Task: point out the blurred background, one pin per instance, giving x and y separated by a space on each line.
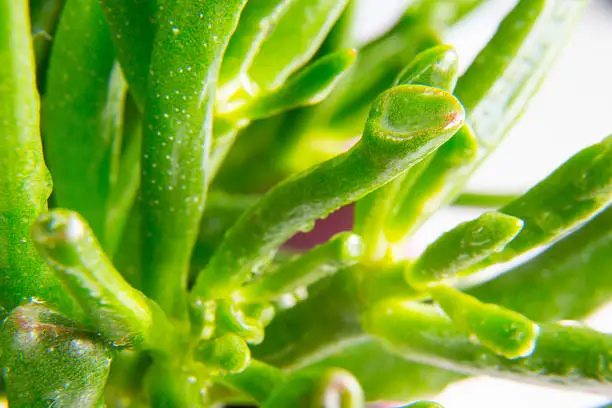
572 110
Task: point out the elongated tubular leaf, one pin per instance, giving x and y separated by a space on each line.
484 200
342 251
572 194
123 192
119 312
564 355
44 15
326 388
567 281
177 135
442 13
437 67
430 186
506 73
341 35
308 87
132 25
257 380
505 332
257 22
462 247
50 360
406 124
494 90
78 126
290 45
25 184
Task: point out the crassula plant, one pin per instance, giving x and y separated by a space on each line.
157 155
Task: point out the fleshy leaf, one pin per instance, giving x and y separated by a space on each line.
462 247
505 332
406 124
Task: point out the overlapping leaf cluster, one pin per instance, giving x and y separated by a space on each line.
188 140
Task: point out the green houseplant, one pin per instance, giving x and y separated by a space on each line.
146 267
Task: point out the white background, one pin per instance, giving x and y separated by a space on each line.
573 109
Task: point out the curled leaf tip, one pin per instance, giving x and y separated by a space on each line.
406 112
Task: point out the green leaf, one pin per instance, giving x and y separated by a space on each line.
463 246
375 71
484 200
177 139
429 187
327 388
442 13
503 331
494 90
568 281
508 71
571 195
341 35
81 130
406 124
436 67
50 360
119 312
341 251
257 22
133 25
564 355
44 15
25 184
125 187
307 87
291 45
257 380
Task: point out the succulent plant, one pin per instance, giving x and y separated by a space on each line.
157 156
